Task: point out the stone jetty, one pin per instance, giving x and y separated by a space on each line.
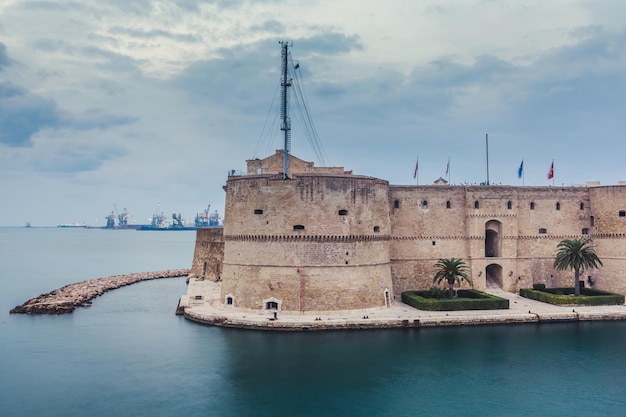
67 298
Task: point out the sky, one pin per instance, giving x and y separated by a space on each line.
147 105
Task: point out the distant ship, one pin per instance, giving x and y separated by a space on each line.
76 225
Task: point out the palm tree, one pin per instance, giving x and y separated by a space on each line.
576 254
453 271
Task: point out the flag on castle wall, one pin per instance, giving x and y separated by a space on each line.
416 166
448 166
551 172
520 170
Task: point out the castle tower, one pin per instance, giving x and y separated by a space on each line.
315 242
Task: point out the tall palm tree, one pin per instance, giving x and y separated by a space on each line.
453 271
576 254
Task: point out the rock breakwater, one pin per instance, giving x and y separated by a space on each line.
67 298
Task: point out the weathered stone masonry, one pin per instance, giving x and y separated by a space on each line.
330 241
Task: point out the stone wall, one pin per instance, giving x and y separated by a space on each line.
512 231
321 242
314 243
208 256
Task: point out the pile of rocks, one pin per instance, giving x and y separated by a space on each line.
67 298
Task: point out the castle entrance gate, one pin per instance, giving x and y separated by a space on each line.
493 247
493 275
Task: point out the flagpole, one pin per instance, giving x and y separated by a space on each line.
449 170
487 151
523 175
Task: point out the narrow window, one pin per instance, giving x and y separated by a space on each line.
396 204
592 221
543 231
229 301
376 229
434 243
582 205
558 206
448 205
585 231
271 305
509 205
476 204
298 227
258 211
622 213
424 204
532 205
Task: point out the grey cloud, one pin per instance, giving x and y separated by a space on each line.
4 57
97 56
23 114
157 33
330 43
237 74
240 73
76 156
269 26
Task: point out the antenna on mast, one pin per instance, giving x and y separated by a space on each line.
285 126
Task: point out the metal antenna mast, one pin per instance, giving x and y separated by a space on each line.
487 149
286 123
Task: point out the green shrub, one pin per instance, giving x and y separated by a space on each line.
465 300
565 296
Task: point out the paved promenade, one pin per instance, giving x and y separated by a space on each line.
201 304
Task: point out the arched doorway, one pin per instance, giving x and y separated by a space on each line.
493 276
493 247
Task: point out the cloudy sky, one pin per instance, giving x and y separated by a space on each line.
146 105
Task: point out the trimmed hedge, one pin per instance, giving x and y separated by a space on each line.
465 300
565 296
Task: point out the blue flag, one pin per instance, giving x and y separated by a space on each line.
520 170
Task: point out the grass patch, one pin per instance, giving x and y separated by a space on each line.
465 300
566 297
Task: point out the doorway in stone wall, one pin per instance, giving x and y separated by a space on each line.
493 276
493 229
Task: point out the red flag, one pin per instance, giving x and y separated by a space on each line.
415 172
551 172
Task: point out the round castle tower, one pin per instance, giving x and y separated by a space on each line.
316 242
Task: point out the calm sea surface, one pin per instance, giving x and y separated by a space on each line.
129 355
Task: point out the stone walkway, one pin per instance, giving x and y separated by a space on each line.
201 304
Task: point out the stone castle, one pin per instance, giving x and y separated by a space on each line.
326 239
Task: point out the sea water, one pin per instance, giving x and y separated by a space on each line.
130 355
